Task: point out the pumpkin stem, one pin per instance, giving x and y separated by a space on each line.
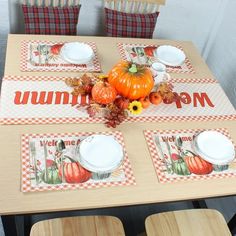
72 160
191 152
133 68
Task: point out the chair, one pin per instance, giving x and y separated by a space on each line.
81 225
58 17
187 222
131 18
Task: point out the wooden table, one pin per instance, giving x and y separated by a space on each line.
147 190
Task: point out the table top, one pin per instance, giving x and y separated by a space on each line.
147 188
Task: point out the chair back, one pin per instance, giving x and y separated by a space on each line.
51 3
79 225
134 6
192 222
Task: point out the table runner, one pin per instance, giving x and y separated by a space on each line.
123 176
174 168
43 100
39 55
129 52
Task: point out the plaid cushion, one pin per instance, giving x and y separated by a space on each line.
133 25
51 20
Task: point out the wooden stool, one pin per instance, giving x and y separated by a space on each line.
81 225
187 223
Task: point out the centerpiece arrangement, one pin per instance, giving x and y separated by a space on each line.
127 89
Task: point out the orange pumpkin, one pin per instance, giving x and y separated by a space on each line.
198 166
130 80
103 93
74 172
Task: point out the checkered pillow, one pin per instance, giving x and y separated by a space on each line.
133 25
51 20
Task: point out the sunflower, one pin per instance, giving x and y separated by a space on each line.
102 76
135 107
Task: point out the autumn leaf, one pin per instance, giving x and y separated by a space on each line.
72 82
93 109
85 79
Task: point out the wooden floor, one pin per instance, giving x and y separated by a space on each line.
133 217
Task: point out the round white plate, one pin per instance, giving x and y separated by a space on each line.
100 153
214 147
77 53
169 55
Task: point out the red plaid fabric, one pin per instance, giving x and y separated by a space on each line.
133 25
51 20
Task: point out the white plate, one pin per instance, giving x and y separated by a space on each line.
77 53
214 147
100 153
170 55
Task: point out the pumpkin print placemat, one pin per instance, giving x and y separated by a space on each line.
40 158
173 164
43 100
45 56
145 54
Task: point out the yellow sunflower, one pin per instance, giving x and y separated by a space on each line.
135 107
102 76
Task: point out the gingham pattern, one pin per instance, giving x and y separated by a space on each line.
27 186
132 25
162 113
124 49
159 165
34 78
29 61
59 78
194 80
51 20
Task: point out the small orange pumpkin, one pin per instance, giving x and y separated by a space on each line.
74 172
197 165
103 93
131 80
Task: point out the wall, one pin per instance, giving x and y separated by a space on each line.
222 55
4 29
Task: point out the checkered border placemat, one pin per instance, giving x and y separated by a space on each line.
178 69
158 164
25 177
24 59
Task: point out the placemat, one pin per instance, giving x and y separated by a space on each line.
144 54
171 166
35 181
45 56
43 100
